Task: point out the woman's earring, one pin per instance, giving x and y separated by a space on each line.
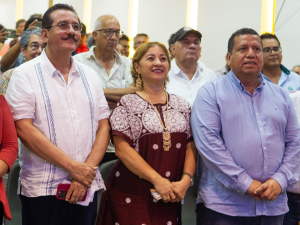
165 83
139 82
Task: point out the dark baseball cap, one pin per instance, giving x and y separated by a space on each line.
183 31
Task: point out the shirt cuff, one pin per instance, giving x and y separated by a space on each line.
281 179
243 184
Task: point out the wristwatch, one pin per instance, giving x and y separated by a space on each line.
192 179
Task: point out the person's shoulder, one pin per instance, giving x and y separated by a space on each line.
181 102
294 76
81 56
84 67
125 60
25 67
295 96
209 72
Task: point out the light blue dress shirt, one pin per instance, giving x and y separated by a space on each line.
288 80
241 137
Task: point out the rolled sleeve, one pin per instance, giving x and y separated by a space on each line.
206 128
20 96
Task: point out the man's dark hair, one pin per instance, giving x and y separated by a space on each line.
124 37
30 21
36 15
269 36
1 26
20 21
171 40
47 20
141 35
243 31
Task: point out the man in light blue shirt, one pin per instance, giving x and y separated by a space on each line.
273 70
246 131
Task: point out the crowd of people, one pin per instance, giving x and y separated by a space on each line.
77 101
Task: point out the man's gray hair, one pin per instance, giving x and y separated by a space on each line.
98 22
24 41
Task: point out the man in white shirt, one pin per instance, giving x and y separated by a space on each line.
61 115
112 68
186 74
293 192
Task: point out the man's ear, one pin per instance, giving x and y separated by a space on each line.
228 57
23 51
95 34
172 49
44 35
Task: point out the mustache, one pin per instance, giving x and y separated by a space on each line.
71 37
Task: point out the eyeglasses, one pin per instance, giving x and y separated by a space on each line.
65 26
110 32
35 46
268 50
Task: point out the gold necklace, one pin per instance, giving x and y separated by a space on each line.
166 134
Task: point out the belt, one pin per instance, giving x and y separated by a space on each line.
293 195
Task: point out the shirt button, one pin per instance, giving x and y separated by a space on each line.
261 129
238 191
265 167
265 148
256 113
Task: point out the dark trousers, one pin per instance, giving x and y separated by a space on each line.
292 217
206 216
47 210
1 213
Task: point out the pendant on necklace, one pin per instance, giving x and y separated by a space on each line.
166 140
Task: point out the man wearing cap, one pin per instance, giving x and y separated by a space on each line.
82 45
273 70
112 68
186 74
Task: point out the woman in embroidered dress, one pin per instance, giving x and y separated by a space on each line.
152 136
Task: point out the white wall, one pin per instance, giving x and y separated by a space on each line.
159 19
217 20
118 8
8 14
287 31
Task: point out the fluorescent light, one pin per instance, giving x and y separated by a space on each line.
87 14
192 14
268 16
132 23
19 10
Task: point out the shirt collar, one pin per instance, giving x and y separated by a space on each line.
285 70
240 85
52 70
177 70
91 54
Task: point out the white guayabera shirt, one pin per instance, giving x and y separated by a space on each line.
66 113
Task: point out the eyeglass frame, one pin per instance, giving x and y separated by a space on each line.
40 46
272 50
120 32
57 25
